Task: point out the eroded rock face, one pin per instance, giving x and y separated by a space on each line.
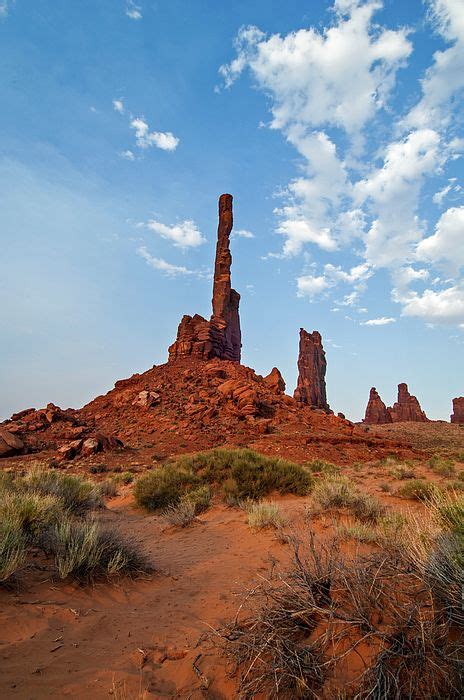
10 444
458 410
275 381
311 389
376 411
221 335
406 408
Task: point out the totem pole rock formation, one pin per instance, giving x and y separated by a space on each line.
376 411
220 336
407 407
458 410
311 389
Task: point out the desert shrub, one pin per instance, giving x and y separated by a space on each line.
164 486
107 488
339 492
181 514
248 474
418 490
86 551
386 530
29 512
320 466
403 473
77 495
126 478
441 466
6 481
200 498
98 468
12 549
359 531
265 514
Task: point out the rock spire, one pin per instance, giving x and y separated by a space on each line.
220 336
458 410
406 409
376 411
311 389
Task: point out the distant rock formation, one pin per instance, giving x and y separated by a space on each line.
311 389
458 410
376 411
220 336
407 408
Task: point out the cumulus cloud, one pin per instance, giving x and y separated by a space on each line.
243 233
311 285
445 306
185 234
383 321
162 265
145 138
447 243
127 155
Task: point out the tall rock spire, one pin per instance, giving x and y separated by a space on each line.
376 411
220 336
311 389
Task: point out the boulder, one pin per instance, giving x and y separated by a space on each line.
147 399
275 381
10 444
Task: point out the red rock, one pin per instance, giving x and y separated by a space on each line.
407 408
376 411
458 410
221 335
90 447
147 399
275 381
311 389
9 444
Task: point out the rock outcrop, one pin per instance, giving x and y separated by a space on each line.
275 381
406 408
458 410
376 411
311 389
220 336
10 444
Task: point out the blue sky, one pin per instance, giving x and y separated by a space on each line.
338 128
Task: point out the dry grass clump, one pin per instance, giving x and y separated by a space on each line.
403 473
418 490
241 474
265 514
386 532
441 465
320 466
180 514
339 492
303 627
45 510
86 551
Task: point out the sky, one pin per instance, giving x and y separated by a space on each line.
338 128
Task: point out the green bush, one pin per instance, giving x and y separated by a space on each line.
77 495
320 466
418 490
442 466
248 474
86 551
164 486
200 498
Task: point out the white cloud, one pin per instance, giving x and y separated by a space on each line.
383 321
133 11
310 285
118 106
127 155
185 234
444 79
447 243
163 265
445 306
4 7
340 76
439 196
145 138
243 233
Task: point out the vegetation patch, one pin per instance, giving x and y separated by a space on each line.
162 487
418 490
265 514
339 492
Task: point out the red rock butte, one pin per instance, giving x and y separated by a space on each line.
406 409
458 410
312 365
220 336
